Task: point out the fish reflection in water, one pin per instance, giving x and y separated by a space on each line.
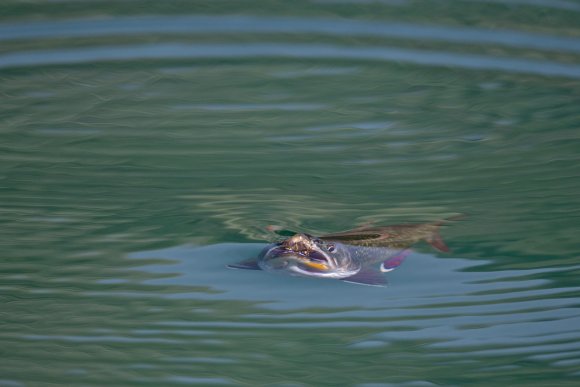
351 256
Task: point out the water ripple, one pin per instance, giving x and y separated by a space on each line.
556 4
249 24
121 181
296 51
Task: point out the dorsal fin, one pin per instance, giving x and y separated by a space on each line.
347 237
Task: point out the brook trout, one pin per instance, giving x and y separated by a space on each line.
349 256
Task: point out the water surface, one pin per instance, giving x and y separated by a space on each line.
146 147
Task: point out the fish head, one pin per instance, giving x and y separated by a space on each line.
306 255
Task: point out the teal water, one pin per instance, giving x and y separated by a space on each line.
145 145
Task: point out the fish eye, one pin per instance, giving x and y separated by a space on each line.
331 248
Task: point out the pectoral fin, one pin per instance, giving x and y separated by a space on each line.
249 264
367 276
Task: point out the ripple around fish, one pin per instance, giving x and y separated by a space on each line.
468 294
523 316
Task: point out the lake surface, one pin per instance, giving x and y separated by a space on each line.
146 145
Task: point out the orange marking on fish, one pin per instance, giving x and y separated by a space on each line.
316 265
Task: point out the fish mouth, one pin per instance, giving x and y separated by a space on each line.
309 258
316 265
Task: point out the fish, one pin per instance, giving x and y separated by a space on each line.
350 256
308 256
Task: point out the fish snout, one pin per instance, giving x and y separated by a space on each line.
298 243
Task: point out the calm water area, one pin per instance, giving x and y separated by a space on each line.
146 145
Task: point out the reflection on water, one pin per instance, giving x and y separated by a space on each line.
144 148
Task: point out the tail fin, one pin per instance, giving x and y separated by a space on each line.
435 239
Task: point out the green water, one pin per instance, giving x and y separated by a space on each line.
145 145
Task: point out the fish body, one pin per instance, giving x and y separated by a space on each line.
350 256
308 256
399 236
